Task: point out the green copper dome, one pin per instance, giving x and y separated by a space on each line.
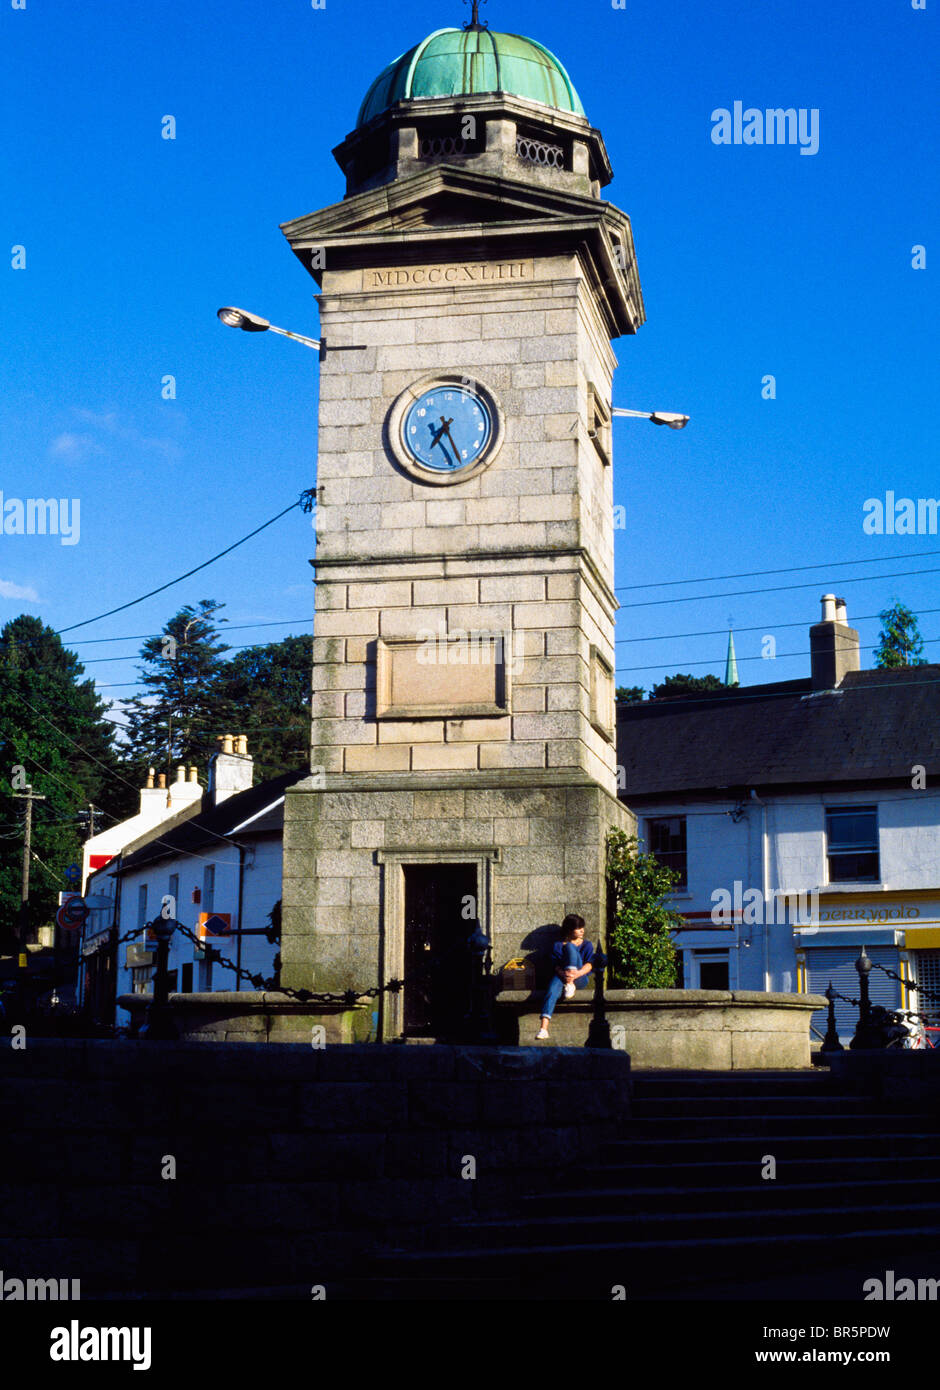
468 62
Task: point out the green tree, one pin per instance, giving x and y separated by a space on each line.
900 641
55 738
630 694
642 954
264 692
686 685
170 724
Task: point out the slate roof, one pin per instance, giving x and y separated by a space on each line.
875 727
202 829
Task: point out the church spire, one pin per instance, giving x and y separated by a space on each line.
731 662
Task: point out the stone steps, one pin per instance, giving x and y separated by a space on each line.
758 1197
669 1107
644 1269
741 1172
791 1146
744 1124
678 1200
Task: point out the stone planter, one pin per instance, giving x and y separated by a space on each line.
694 1029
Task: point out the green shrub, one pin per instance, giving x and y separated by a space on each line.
642 954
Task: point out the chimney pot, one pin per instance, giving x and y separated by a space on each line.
226 741
149 776
834 646
161 780
241 745
192 774
181 772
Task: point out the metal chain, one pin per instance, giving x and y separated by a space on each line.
303 996
909 984
129 936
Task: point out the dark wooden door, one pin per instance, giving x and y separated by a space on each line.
440 904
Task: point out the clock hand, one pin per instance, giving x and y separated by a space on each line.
437 437
445 429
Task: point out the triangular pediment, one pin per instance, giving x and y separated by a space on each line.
438 212
443 196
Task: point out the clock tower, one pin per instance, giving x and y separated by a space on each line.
463 758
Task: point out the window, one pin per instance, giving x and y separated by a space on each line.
665 838
852 844
174 891
927 974
141 906
599 422
186 982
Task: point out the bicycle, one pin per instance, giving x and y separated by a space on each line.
917 1029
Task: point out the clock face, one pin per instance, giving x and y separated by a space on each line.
448 428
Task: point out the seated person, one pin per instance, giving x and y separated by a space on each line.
571 961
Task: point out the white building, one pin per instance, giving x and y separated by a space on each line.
159 805
804 818
218 873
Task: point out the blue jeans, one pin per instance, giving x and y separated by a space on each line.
570 956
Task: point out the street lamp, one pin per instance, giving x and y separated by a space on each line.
254 323
658 417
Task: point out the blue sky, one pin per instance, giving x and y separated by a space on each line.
754 260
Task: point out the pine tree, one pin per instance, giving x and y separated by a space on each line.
54 737
171 724
264 692
900 641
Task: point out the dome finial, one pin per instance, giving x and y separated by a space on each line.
475 15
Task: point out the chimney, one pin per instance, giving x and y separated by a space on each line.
185 790
833 645
231 770
153 798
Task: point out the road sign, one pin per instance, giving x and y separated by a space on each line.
73 913
214 924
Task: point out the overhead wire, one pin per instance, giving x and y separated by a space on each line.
179 579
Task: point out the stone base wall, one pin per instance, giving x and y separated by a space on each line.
890 1074
538 841
694 1029
148 1169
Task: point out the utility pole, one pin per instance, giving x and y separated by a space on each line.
29 796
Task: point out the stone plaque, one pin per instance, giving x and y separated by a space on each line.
442 677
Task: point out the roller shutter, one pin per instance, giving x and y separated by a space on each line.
837 963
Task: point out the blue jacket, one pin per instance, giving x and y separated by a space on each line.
585 951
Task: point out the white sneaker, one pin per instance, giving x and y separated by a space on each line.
542 1033
570 989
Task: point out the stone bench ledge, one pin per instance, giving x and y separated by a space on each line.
616 1000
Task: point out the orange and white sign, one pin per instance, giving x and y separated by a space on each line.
214 924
